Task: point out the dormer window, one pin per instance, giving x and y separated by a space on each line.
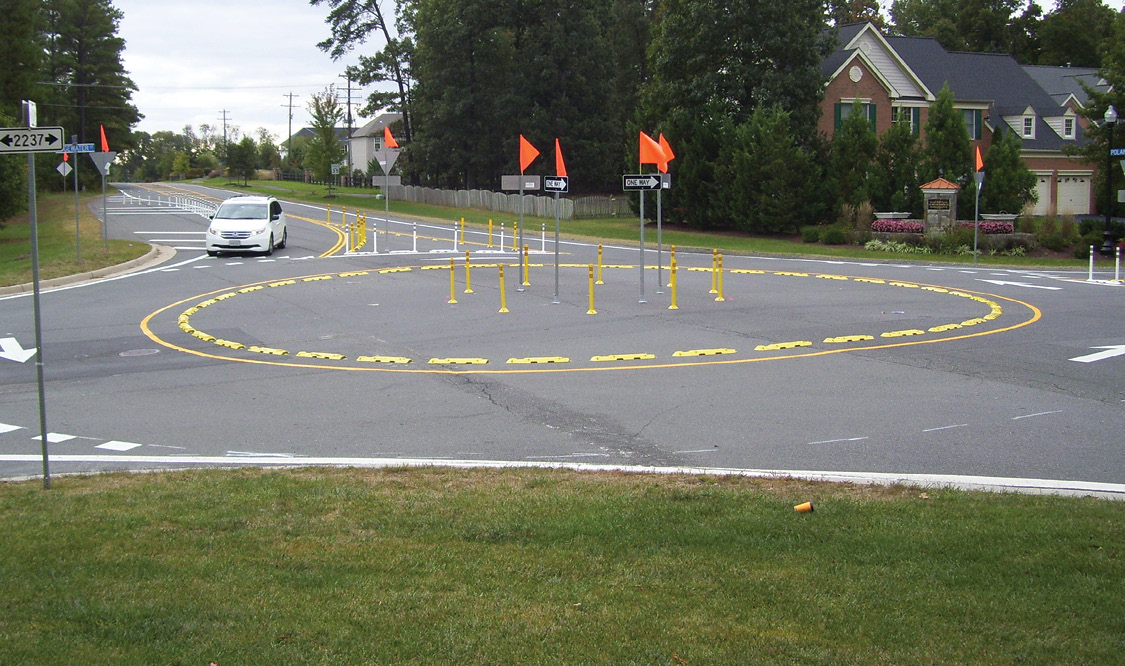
1028 127
1068 128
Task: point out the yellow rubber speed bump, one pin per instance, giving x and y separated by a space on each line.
944 327
206 337
973 322
316 278
849 338
229 344
400 269
283 283
268 350
247 290
902 334
622 357
908 285
806 507
353 274
870 280
791 274
384 359
325 356
784 345
705 352
831 277
746 271
540 359
458 361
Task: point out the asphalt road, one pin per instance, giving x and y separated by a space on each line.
311 355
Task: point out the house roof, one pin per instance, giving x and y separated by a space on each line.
1063 83
940 184
994 80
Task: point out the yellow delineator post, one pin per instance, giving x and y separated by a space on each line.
719 267
468 278
673 263
599 265
462 231
490 232
515 236
452 282
503 296
591 311
714 270
526 268
329 219
672 284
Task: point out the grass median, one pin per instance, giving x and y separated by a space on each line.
440 566
65 247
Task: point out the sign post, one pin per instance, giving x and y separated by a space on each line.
641 182
102 161
386 158
559 184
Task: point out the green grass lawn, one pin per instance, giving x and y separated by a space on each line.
438 566
59 241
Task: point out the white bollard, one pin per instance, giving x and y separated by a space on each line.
415 234
1091 276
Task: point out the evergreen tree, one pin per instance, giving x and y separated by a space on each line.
21 53
853 158
1008 185
896 177
241 159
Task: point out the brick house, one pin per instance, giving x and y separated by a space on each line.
896 79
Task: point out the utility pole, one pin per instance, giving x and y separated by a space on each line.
348 138
289 141
225 151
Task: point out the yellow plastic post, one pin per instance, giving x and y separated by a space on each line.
599 264
714 271
490 232
526 268
329 220
452 282
673 263
720 279
515 236
462 231
591 310
673 306
503 296
468 279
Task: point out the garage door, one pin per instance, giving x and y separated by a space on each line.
1074 195
1043 189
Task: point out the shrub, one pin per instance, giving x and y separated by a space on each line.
1047 228
898 226
991 227
810 234
1054 242
833 236
1067 229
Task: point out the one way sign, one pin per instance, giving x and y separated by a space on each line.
556 183
640 182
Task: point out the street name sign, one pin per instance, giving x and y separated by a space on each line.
30 139
640 182
78 148
1117 152
559 184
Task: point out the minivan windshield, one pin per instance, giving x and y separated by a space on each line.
243 211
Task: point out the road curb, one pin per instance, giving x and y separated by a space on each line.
156 255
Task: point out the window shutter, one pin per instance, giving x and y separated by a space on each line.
839 116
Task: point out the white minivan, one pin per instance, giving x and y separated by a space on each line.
247 224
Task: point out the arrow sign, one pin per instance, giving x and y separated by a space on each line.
31 139
556 183
639 182
1110 352
1020 284
11 349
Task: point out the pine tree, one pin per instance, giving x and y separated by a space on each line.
324 148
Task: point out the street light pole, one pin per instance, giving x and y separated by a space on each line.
1107 241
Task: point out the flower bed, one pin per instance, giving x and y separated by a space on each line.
992 227
897 226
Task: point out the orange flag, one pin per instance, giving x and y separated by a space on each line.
66 157
105 144
560 166
668 154
980 162
650 151
528 153
389 139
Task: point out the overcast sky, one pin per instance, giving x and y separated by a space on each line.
191 60
194 59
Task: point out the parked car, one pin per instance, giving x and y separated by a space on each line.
247 224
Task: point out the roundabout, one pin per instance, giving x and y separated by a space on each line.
398 319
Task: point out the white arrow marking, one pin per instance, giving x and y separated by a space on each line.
1021 284
1110 352
11 349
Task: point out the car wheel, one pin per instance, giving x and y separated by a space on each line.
212 253
284 238
269 248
